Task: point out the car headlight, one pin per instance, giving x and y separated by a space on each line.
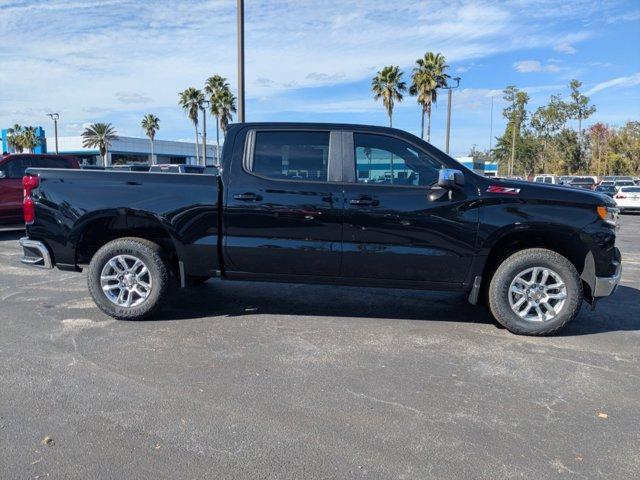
609 214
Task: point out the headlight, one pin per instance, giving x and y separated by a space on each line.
609 214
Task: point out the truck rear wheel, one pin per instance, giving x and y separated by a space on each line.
535 292
128 278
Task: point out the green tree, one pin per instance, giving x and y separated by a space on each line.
14 137
568 150
29 139
150 124
628 146
226 106
598 137
388 85
508 149
578 107
191 101
546 122
428 75
100 136
214 88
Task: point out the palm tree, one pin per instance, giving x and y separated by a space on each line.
388 85
29 139
213 86
14 137
226 107
99 135
191 102
151 124
428 75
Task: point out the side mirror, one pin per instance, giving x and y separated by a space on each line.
450 178
3 174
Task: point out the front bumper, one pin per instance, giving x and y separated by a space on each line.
605 286
35 254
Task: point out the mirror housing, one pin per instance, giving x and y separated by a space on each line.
3 174
450 178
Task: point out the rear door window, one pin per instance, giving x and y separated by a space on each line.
297 155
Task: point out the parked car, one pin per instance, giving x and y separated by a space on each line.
549 179
565 179
607 183
291 205
624 183
588 183
616 178
609 190
12 168
628 199
170 168
132 167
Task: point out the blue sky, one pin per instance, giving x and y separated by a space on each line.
115 60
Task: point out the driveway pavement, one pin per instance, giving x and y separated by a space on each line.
240 380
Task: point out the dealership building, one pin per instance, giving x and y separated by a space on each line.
123 150
488 169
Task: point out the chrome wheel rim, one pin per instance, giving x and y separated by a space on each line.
126 281
537 294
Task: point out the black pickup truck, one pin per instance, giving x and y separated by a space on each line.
332 204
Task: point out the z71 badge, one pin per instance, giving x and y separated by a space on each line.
505 190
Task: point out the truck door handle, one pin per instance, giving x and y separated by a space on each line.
247 197
364 201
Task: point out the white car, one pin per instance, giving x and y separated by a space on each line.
628 199
546 179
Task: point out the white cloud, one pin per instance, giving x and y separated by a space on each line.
628 81
565 47
114 59
530 66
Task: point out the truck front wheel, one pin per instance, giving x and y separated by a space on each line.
535 292
128 278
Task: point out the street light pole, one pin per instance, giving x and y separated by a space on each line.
450 88
55 117
241 113
205 105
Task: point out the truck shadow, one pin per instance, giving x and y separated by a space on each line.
9 235
621 312
237 299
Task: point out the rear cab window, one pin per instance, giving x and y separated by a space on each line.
14 168
291 155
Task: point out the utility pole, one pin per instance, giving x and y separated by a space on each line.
450 88
491 128
55 117
205 105
241 112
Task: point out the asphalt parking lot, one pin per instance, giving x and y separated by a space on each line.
240 380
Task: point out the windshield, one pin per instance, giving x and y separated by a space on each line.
630 189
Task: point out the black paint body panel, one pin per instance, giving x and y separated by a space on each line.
308 231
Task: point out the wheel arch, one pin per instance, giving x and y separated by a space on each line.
98 228
559 238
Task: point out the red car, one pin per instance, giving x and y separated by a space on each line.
12 169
